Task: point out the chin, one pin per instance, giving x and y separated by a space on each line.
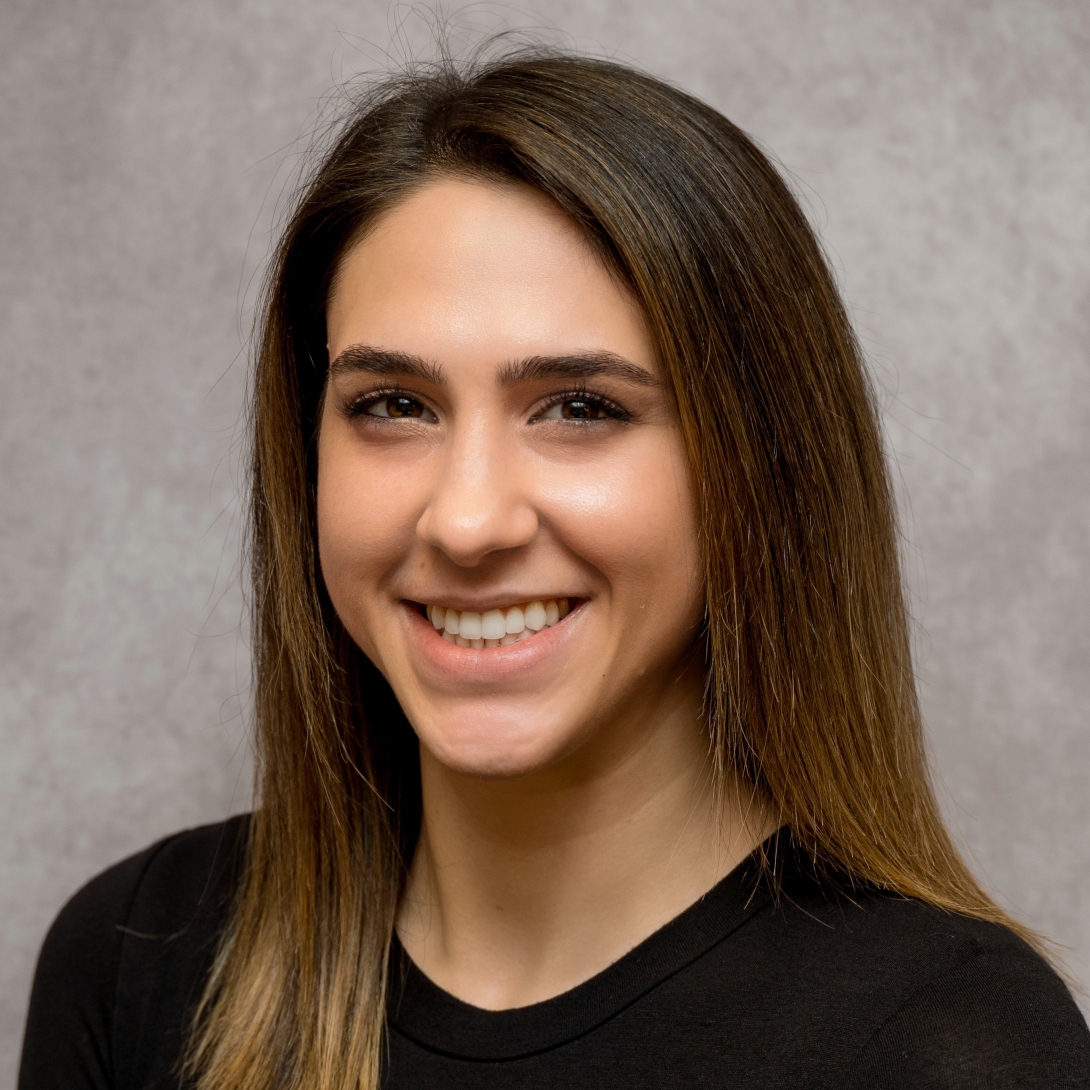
494 748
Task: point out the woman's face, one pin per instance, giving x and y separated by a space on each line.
497 456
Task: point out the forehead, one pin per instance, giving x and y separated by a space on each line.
482 270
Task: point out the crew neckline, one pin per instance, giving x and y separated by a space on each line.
440 1022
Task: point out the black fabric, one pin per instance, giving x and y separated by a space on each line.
805 985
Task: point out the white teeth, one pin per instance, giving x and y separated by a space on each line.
497 627
535 616
493 625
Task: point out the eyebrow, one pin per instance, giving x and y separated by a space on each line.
382 361
577 365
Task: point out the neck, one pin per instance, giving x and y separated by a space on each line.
522 888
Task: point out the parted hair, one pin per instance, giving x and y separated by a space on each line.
810 696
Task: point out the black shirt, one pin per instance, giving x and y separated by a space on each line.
801 985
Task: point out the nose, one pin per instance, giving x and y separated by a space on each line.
479 505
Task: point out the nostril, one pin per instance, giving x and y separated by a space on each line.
469 523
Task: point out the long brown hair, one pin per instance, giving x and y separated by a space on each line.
810 693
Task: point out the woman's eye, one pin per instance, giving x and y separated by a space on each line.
398 407
575 408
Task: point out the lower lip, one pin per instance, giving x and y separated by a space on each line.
489 663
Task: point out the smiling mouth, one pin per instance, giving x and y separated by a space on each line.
497 627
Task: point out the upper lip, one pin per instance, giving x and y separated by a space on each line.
493 601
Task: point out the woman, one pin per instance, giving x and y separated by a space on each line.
589 752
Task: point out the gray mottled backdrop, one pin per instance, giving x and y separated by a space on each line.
944 151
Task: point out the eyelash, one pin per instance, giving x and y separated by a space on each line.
610 408
358 407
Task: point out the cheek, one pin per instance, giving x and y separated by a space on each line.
365 521
635 521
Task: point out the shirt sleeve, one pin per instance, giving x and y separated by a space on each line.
68 1039
996 1021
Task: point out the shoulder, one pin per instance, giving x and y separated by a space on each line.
157 913
158 891
929 998
186 877
897 935
996 1016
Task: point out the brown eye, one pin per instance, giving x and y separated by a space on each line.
584 409
397 407
580 410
